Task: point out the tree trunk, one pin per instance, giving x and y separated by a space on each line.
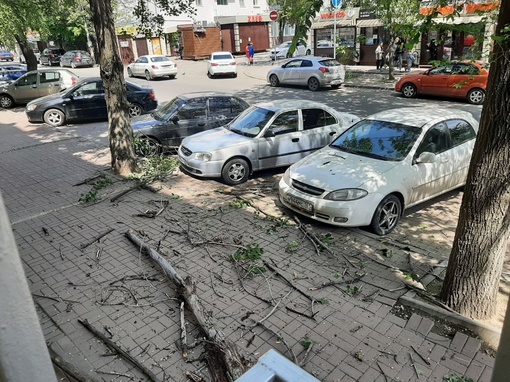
123 159
474 270
27 51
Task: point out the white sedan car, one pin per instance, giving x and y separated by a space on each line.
152 66
265 135
221 63
382 165
282 51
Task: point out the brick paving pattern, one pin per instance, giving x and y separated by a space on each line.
353 333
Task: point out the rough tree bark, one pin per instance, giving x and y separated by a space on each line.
123 160
475 265
27 51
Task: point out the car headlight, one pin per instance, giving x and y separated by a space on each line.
204 157
286 177
346 194
31 107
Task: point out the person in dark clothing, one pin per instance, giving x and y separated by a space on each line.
433 49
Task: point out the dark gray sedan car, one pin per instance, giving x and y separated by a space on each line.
183 116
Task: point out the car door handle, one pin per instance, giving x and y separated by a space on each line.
295 139
332 133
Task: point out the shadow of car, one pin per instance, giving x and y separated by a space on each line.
266 135
456 80
35 84
183 116
382 165
77 58
86 101
313 72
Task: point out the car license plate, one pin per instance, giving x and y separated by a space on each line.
302 205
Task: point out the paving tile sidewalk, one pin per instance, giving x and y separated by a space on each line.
354 332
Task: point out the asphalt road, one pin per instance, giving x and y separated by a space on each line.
252 86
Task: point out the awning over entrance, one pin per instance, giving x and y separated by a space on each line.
458 20
371 23
329 24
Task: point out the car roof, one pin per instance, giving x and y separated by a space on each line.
221 53
278 105
419 116
190 95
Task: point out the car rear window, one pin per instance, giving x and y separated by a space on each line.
222 57
329 62
159 59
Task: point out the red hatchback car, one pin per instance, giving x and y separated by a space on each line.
459 79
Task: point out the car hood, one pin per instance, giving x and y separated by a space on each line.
47 98
144 121
332 169
214 139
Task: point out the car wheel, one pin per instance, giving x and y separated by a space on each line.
235 172
73 65
308 52
209 75
172 76
135 110
386 215
6 101
147 146
313 84
335 86
409 90
130 73
234 75
148 75
476 96
273 80
54 117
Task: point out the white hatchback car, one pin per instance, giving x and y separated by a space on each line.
313 72
282 51
221 63
152 66
265 135
382 165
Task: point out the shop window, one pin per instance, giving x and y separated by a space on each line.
255 3
222 2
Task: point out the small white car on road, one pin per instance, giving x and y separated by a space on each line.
265 135
382 165
282 51
152 66
221 63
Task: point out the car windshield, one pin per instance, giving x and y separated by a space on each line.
329 63
378 139
222 57
251 121
159 59
285 44
167 110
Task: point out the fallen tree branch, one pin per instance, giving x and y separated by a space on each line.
225 359
331 283
96 238
124 354
279 273
69 368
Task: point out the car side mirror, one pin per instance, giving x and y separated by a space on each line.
269 134
426 157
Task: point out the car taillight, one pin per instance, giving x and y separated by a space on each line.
152 96
77 59
74 80
233 63
52 55
213 64
323 69
154 67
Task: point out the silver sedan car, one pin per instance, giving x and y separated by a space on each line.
152 66
265 135
314 72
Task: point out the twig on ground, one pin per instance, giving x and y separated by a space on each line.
279 273
128 357
69 368
421 357
212 285
414 366
330 283
382 371
289 349
308 350
60 252
97 238
114 373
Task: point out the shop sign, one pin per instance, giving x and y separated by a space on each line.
367 14
331 15
254 19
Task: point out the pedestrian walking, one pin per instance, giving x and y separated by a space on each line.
399 53
432 50
251 53
411 60
379 56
